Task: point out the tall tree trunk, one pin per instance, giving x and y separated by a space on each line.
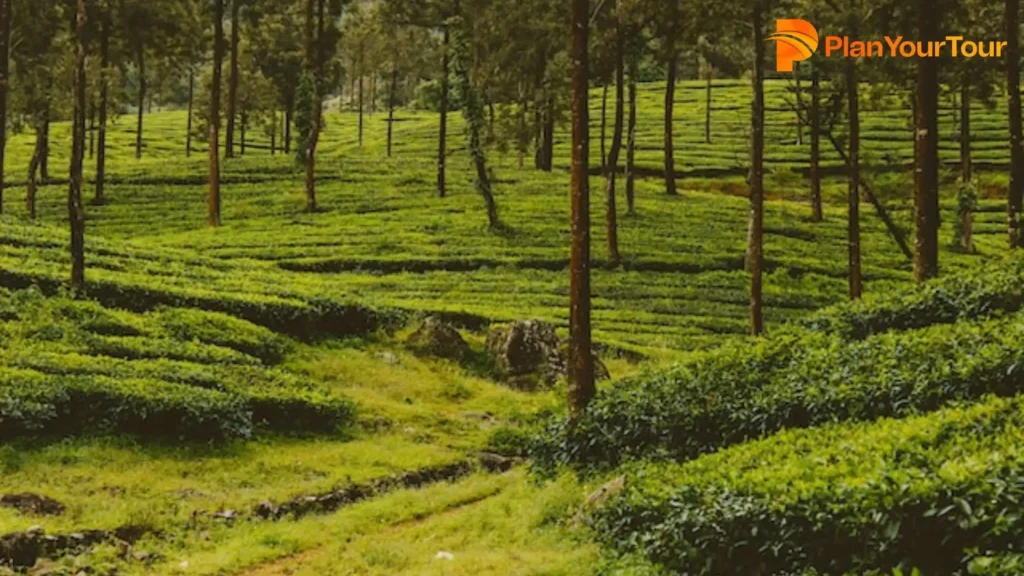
289 113
1016 193
442 137
612 166
815 118
92 128
581 359
926 192
391 103
140 59
604 126
549 135
44 160
101 138
213 200
273 132
755 251
360 111
229 136
244 125
631 137
191 102
5 42
853 228
76 211
33 168
672 57
707 104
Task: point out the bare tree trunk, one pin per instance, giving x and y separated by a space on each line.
442 138
191 101
213 201
76 211
549 136
707 105
360 111
926 192
229 136
273 133
756 236
5 42
140 57
391 103
244 125
631 138
44 160
288 114
853 229
581 359
612 166
815 114
101 139
33 168
92 128
604 126
1016 192
670 103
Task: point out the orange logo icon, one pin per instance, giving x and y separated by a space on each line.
795 40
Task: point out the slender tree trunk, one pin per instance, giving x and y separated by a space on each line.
244 121
360 111
44 160
33 168
288 114
581 359
670 104
815 117
707 104
213 201
140 59
926 193
101 138
612 166
853 228
229 136
549 135
631 138
76 211
5 42
756 235
191 102
442 138
391 103
273 133
92 128
373 94
604 126
1016 192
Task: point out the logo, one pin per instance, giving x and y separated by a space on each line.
795 41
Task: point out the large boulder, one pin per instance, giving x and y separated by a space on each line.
530 354
437 338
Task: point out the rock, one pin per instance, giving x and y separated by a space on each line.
266 510
226 515
34 504
528 353
389 358
496 462
437 338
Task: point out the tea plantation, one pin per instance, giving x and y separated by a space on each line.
244 400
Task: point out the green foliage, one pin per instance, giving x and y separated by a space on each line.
73 367
842 499
792 380
305 116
